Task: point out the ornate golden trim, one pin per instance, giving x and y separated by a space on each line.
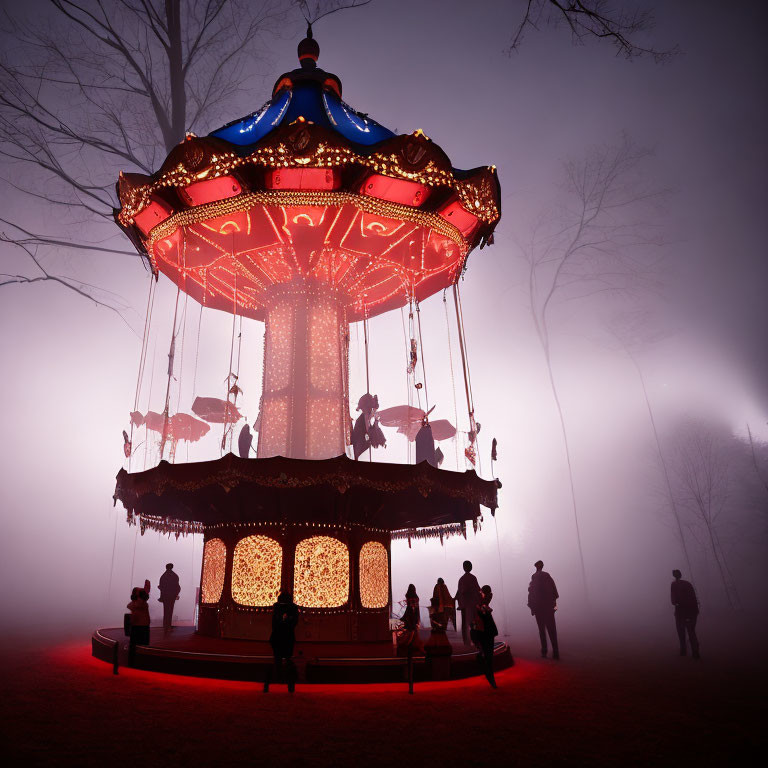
476 193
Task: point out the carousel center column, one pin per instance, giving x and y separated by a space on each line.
305 398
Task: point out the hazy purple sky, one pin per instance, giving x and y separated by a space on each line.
69 369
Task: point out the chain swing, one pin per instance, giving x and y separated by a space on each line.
470 452
128 442
408 368
453 378
171 356
232 387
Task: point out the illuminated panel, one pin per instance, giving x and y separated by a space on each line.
152 215
325 334
395 190
325 427
214 564
460 217
256 571
273 430
321 573
374 575
210 190
279 346
303 178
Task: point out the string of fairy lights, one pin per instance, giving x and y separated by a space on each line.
477 194
370 266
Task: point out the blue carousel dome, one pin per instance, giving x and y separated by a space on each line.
309 93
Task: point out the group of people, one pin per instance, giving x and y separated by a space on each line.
137 622
477 623
478 626
285 617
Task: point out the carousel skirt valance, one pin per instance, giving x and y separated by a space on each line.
184 498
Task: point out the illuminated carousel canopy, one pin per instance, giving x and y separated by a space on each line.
339 491
308 190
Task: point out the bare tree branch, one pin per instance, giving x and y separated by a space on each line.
598 19
72 284
30 238
94 87
317 10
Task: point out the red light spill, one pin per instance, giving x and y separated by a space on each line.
77 657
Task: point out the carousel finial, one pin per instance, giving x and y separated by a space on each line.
309 50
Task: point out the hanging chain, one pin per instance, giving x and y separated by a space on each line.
453 379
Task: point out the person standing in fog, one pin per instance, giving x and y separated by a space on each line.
285 617
542 600
467 596
408 640
484 633
169 594
686 612
139 608
443 602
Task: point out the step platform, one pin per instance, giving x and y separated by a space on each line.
182 651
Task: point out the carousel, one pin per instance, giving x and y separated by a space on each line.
310 218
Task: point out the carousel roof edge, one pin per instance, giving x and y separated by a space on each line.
279 472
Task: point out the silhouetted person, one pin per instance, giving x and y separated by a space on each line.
169 593
686 612
411 616
139 608
285 617
542 600
443 603
244 441
408 641
467 596
484 633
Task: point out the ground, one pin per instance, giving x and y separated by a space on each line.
634 706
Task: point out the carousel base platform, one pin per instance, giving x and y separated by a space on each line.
184 652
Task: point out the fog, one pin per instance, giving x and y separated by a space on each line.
69 367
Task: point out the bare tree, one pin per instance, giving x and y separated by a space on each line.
755 463
706 468
100 86
633 331
594 19
597 241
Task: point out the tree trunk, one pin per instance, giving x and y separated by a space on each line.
545 347
177 128
664 467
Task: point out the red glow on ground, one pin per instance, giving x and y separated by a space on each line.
76 656
599 707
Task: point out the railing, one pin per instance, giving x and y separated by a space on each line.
106 649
